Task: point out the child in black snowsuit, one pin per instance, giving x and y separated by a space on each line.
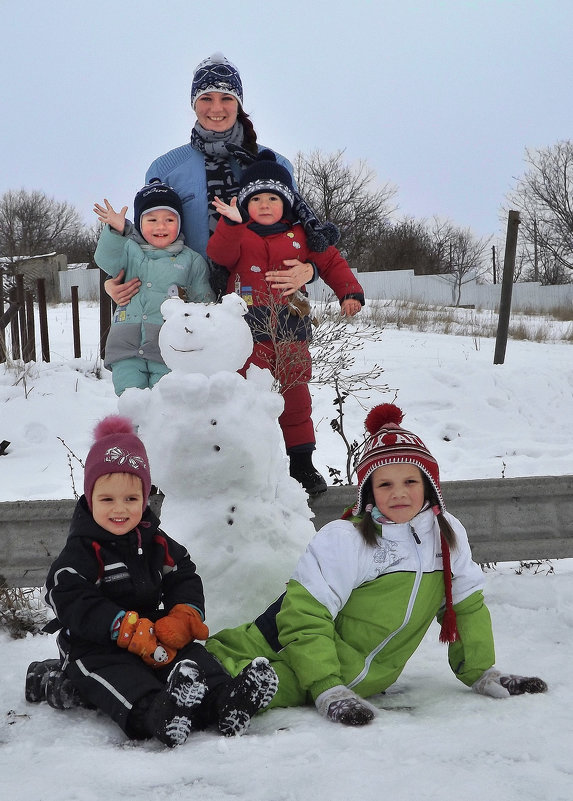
131 608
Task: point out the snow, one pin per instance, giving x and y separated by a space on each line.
433 738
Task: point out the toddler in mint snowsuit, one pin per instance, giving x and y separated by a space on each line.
154 251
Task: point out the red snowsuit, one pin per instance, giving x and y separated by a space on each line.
281 339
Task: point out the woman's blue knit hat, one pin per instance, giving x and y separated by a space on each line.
216 74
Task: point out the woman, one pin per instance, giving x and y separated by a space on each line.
223 143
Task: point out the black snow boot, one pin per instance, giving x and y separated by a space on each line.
36 676
253 689
46 681
303 470
186 684
167 721
170 716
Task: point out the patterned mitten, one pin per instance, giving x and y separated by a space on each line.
497 684
138 636
344 706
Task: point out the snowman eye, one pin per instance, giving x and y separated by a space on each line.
207 315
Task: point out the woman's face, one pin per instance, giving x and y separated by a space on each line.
398 491
217 111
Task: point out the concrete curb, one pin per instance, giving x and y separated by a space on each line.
507 520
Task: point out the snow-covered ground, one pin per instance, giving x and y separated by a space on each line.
433 738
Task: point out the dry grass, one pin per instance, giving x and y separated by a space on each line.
478 324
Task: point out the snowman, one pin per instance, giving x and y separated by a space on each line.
217 452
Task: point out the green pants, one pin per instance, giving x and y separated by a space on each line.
135 372
235 648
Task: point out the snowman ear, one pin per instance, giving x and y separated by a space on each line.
171 306
235 304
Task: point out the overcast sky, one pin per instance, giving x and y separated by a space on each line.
439 97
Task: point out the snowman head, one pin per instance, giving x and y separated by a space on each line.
205 338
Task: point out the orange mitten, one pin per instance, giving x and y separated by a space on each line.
138 636
182 625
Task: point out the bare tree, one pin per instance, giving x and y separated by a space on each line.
408 245
466 256
32 224
346 195
544 198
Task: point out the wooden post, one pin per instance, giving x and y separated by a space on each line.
2 335
506 287
14 329
43 317
76 322
105 309
30 347
21 299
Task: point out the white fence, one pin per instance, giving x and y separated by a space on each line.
434 290
440 290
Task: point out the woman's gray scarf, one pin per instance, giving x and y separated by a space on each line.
218 147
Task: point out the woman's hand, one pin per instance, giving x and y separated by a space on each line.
115 219
119 292
349 307
290 280
228 210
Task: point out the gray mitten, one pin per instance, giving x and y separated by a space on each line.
497 684
344 706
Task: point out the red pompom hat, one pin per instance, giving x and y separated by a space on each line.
390 444
116 449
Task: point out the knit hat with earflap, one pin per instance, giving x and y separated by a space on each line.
154 196
216 74
116 449
388 443
265 174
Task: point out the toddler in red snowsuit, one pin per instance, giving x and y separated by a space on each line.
265 230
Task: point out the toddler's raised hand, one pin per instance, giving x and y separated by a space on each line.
349 307
115 219
229 210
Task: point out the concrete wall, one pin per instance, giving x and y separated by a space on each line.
86 280
506 519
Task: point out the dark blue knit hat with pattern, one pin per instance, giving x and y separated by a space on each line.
216 74
265 174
